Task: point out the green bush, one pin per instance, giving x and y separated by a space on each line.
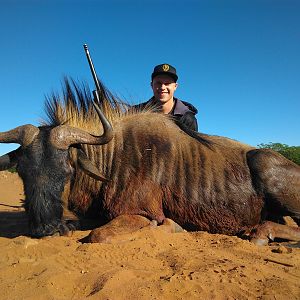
12 170
290 152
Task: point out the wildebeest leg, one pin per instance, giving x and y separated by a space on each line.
278 180
127 227
270 230
118 229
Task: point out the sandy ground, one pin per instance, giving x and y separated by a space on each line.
153 265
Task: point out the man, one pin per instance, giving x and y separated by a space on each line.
164 84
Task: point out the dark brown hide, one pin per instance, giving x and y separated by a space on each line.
159 171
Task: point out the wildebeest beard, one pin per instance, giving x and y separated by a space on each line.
44 211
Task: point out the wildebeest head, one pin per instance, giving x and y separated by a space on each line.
43 162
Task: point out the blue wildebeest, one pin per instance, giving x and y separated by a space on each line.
138 165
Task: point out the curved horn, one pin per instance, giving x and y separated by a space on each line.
23 135
9 160
88 167
63 136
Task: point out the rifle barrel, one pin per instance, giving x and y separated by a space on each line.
92 67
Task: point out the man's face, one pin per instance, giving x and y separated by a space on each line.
163 87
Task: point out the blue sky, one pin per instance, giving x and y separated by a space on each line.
238 61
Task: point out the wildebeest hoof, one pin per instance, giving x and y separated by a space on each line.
153 223
260 242
169 225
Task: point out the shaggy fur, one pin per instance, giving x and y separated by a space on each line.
158 170
155 168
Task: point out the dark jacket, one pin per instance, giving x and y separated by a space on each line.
182 111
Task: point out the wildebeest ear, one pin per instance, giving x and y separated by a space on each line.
9 160
88 167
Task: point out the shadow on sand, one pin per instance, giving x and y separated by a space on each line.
13 224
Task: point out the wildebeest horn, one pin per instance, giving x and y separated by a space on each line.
63 136
87 166
8 160
23 135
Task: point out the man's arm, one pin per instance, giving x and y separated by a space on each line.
189 120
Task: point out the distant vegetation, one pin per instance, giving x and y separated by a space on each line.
290 152
12 170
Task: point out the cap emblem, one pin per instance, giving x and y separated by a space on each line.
166 68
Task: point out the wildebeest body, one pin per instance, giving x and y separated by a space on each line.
201 186
153 169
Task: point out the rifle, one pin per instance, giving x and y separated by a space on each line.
97 84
